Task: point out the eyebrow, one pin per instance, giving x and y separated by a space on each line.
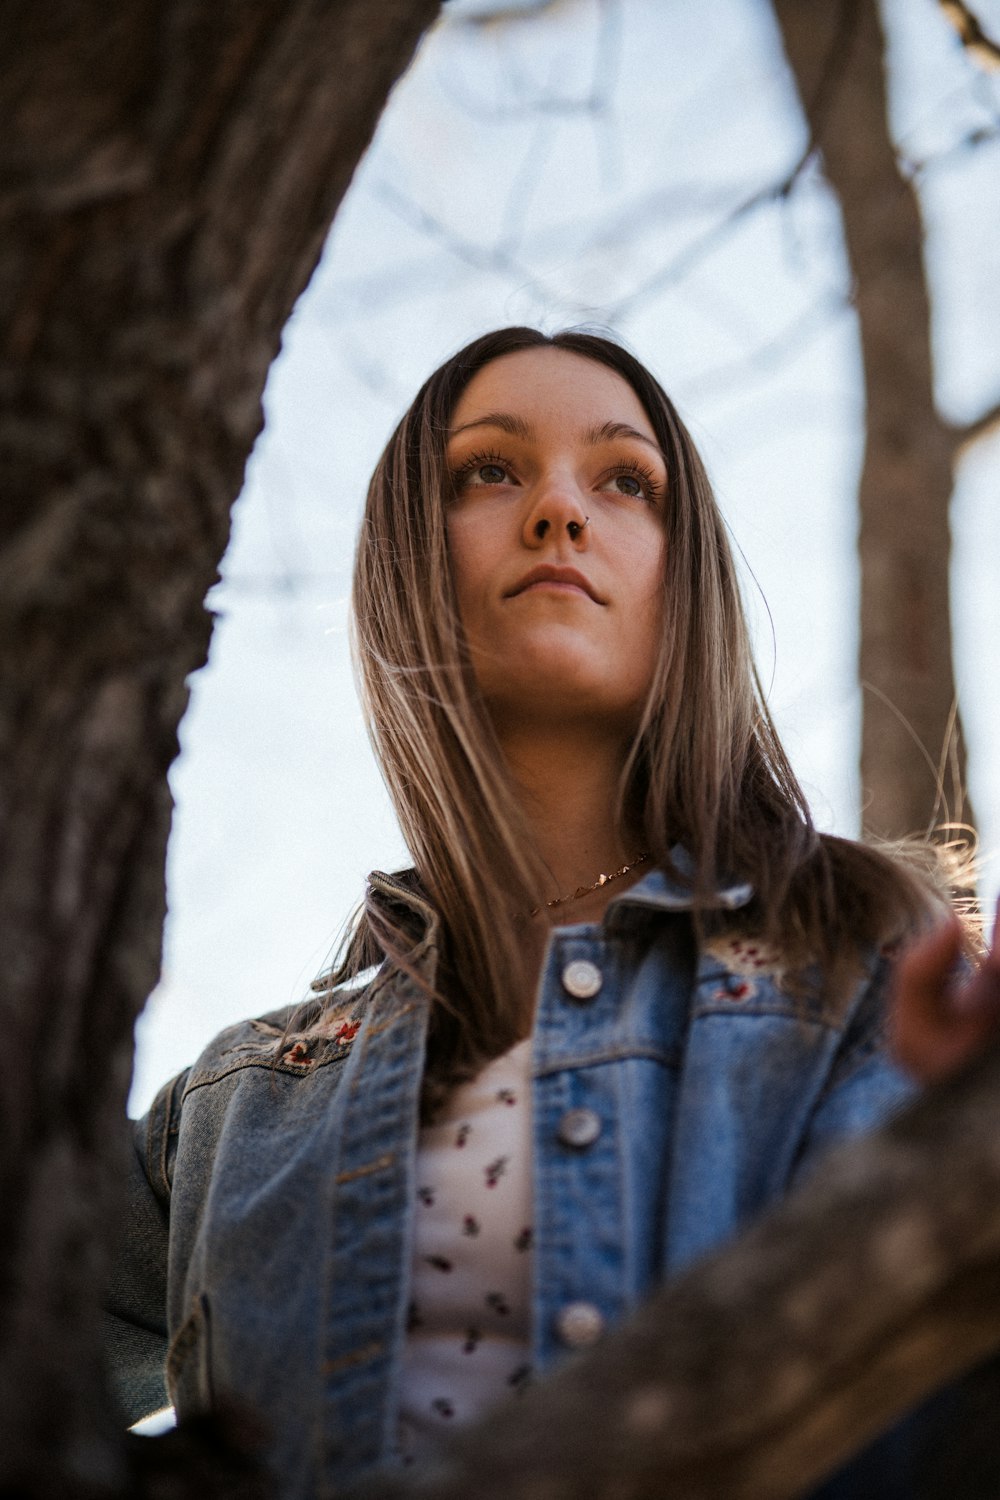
519 427
506 421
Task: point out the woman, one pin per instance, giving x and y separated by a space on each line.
626 996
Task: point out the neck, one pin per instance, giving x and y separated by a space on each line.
568 787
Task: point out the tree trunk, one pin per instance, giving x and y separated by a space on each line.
910 726
168 173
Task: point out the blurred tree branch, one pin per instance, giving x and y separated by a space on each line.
983 426
971 34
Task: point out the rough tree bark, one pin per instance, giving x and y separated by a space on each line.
762 1369
168 173
836 53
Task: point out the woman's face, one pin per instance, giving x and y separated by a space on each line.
557 540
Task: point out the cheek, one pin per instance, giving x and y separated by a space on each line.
468 559
650 604
473 551
649 563
457 557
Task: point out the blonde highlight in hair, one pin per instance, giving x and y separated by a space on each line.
706 770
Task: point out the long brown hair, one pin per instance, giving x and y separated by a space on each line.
706 770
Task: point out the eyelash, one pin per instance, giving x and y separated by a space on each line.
654 488
632 466
477 461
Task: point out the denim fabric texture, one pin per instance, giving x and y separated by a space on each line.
265 1254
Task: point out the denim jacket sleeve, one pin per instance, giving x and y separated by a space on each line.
136 1310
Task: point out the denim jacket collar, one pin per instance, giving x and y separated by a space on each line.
660 891
656 891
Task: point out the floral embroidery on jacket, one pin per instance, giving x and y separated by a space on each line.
735 989
746 957
298 1052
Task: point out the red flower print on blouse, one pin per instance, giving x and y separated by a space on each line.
426 1196
498 1302
523 1241
472 1338
443 1407
439 1262
462 1135
470 1226
495 1170
506 1096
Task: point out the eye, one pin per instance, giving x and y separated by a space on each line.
488 474
635 480
481 470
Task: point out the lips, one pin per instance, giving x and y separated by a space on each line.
553 573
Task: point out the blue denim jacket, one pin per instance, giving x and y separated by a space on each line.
266 1251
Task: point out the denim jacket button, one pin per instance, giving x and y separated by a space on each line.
579 1127
582 979
580 1324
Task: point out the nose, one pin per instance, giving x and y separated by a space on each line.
555 509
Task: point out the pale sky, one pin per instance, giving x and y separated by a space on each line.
552 171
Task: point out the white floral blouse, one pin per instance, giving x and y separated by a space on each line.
469 1332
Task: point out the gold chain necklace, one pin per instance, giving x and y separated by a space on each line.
585 890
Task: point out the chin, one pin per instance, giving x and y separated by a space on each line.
558 678
555 700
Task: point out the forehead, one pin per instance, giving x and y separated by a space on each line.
551 385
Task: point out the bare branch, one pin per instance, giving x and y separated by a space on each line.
647 212
499 14
479 257
772 353
712 239
818 107
982 48
980 135
985 425
549 102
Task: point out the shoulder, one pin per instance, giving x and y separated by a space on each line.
294 1040
232 1080
738 967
